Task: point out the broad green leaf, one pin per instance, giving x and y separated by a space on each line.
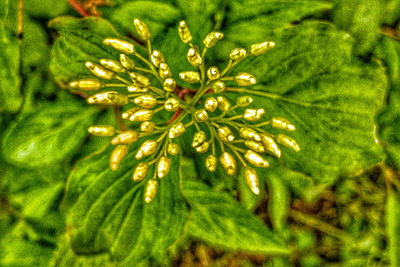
47 136
278 202
389 52
362 19
219 220
391 11
80 40
107 212
158 16
392 219
10 96
35 48
249 22
310 79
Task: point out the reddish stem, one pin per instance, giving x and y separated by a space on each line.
175 115
78 8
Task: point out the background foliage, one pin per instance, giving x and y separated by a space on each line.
335 73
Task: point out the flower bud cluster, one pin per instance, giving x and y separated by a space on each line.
230 132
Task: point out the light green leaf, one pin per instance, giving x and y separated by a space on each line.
253 22
80 40
47 136
278 202
392 219
310 79
221 221
362 19
109 216
10 96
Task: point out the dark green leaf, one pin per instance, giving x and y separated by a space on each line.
221 221
47 136
108 213
392 218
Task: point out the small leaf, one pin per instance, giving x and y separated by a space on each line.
47 136
392 218
278 202
221 221
108 215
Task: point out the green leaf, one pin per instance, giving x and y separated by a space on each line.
362 19
278 202
310 79
108 213
47 136
10 96
391 11
158 17
248 23
221 221
80 40
392 219
389 128
46 8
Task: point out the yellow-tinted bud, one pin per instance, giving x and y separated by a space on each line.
142 29
184 32
142 115
255 159
112 65
212 38
126 62
269 143
260 48
176 130
147 126
171 104
173 149
157 57
251 178
125 137
225 134
228 162
201 115
194 58
128 113
108 98
150 190
137 89
139 79
203 147
238 54
146 149
223 104
190 76
248 133
140 172
117 156
169 85
102 130
99 71
219 87
163 166
164 71
282 123
89 84
245 79
213 73
145 101
211 163
287 142
254 145
211 104
120 45
198 138
252 114
244 101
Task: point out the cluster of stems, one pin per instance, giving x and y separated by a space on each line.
144 86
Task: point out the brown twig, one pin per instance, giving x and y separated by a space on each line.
78 8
